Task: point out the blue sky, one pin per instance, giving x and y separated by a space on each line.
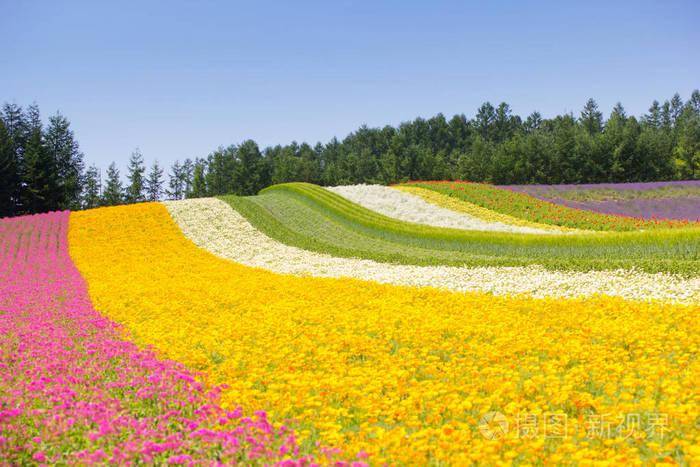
178 79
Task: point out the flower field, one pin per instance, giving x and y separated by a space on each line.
651 200
407 207
74 391
517 203
211 224
305 325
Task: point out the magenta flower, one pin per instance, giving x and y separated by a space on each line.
73 391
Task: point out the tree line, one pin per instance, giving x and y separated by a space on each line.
42 168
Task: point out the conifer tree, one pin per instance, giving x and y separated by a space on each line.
92 188
11 163
154 183
68 160
676 107
187 174
199 186
653 118
9 176
113 193
136 170
40 190
592 118
251 172
175 182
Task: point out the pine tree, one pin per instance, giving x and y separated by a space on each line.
484 120
251 172
68 160
199 186
136 170
11 162
619 111
9 176
113 193
533 122
694 103
666 120
40 193
18 134
154 183
187 174
653 118
687 151
504 123
676 107
92 188
17 128
592 118
175 182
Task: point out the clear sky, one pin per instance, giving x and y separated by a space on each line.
177 79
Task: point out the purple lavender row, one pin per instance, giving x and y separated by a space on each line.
664 208
605 186
679 200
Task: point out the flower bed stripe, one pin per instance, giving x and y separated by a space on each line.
404 374
72 391
213 225
312 218
460 205
407 207
536 210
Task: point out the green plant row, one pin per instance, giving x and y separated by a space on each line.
309 217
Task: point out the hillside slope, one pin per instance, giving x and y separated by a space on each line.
312 218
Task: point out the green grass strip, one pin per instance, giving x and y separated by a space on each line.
309 217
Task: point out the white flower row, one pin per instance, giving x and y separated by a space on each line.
213 225
412 208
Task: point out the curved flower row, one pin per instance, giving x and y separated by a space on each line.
407 207
462 206
213 225
73 392
405 374
536 210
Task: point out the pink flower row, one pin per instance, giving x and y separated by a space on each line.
73 391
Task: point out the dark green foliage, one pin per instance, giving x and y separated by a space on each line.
199 184
154 183
113 193
44 169
176 182
495 147
251 171
41 168
9 175
63 150
92 189
40 190
135 192
591 118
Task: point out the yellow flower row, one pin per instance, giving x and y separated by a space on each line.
471 209
404 374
